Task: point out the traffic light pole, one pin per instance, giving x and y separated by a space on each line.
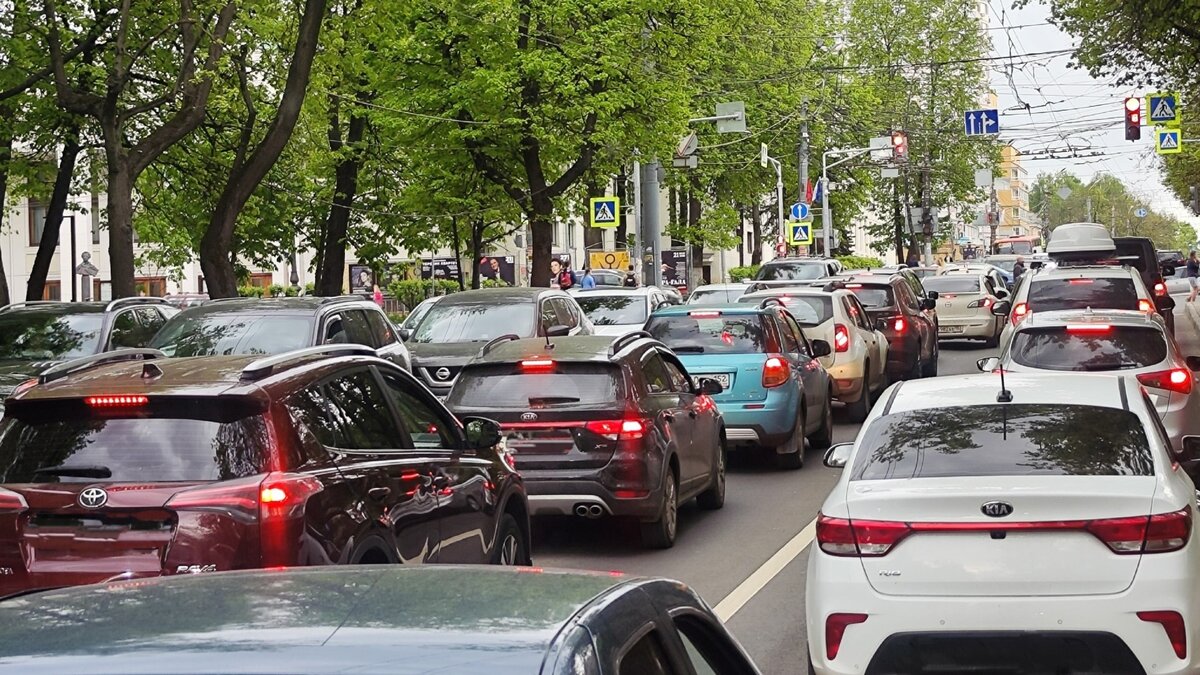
826 213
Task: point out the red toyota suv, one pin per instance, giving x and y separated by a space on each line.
125 465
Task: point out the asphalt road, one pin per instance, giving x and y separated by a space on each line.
747 560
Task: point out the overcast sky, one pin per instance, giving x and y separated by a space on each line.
1068 109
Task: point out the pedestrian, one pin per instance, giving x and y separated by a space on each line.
630 280
1018 270
588 281
377 295
567 267
913 259
1193 275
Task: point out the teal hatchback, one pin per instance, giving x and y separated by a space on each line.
776 393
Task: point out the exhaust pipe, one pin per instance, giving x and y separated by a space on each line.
589 510
594 511
581 510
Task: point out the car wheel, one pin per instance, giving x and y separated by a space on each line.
859 410
511 547
917 369
791 455
824 436
661 532
714 497
931 369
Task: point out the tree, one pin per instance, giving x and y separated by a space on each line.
152 78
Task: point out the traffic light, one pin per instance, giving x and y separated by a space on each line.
899 146
1133 118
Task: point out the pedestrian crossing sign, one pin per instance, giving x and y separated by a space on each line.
1166 141
604 211
1163 109
799 234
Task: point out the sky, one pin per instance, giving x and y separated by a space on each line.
1068 108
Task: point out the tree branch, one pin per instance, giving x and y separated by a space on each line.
582 164
81 103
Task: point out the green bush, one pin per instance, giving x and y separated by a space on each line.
858 262
250 291
410 292
737 274
276 290
494 283
310 288
291 291
397 318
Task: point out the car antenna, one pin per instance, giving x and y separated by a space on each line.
1005 396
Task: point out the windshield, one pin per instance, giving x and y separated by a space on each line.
461 322
795 271
1004 440
715 296
1006 265
225 334
414 317
613 310
38 336
808 310
711 333
959 283
1013 248
1098 348
1047 295
873 296
608 278
506 386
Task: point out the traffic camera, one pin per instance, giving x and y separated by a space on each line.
900 146
1133 118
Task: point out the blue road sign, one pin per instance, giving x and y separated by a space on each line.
981 122
800 211
1140 213
800 234
1164 108
604 211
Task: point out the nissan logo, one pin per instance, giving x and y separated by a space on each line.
528 417
997 509
442 374
93 498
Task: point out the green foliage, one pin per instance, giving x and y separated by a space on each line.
275 290
397 318
410 292
309 288
250 291
1112 204
858 262
291 291
737 274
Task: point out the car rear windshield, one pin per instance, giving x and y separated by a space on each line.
873 296
955 283
1090 347
1004 440
791 271
703 332
612 310
514 386
1046 295
809 310
459 322
701 295
37 336
180 443
210 334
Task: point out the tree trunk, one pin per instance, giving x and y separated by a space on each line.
541 227
54 216
6 143
458 253
477 226
898 225
337 223
756 234
120 228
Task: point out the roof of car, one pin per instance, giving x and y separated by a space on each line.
299 305
1122 317
1084 272
501 294
591 348
614 290
727 308
55 308
719 287
966 390
779 261
810 290
373 619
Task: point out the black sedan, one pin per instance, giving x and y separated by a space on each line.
371 619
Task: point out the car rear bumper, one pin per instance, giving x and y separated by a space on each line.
770 425
563 497
847 379
966 327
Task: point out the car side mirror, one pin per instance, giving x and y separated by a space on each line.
882 325
821 348
1168 271
932 295
482 433
558 331
405 334
1001 293
710 387
1193 363
838 456
928 304
988 364
1002 308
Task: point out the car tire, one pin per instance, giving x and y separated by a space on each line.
661 533
931 369
824 436
511 548
714 497
859 410
917 370
790 456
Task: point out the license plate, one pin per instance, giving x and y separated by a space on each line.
721 379
950 329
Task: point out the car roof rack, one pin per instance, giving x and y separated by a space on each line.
494 342
626 340
834 286
260 368
335 299
96 360
121 302
25 303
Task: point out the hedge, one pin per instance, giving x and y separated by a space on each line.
737 274
858 262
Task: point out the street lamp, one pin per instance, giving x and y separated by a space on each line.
764 159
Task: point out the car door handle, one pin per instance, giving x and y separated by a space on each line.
379 493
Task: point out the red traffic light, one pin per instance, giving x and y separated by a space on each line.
899 145
1133 118
1133 103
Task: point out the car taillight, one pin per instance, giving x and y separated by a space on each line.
278 495
835 630
984 303
1172 623
841 338
624 430
11 501
118 401
706 314
866 538
1178 380
1088 328
776 372
899 324
537 366
1145 305
1019 312
1160 289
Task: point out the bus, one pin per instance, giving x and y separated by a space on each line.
1014 246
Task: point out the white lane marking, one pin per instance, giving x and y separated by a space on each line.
754 583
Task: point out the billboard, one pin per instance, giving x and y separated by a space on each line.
674 268
498 268
609 260
439 268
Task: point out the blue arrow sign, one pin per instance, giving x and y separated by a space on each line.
800 211
981 122
1140 213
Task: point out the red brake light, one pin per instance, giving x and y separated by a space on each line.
1145 305
982 302
1177 380
841 338
120 401
276 495
899 325
704 315
1160 289
775 372
537 365
272 495
835 630
11 501
1079 282
853 285
1019 312
625 430
866 538
1172 623
1088 328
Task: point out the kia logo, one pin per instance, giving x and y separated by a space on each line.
93 498
442 374
997 509
528 417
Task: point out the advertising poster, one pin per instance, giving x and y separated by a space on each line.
609 260
674 268
498 268
362 279
439 268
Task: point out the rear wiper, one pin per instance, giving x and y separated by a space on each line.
80 471
689 349
551 400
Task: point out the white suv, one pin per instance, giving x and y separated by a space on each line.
1077 287
975 530
857 365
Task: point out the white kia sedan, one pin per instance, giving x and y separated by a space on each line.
1040 528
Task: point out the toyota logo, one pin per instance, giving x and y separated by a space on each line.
442 374
93 498
997 509
528 417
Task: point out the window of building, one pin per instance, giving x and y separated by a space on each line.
37 222
52 291
1016 212
1016 174
262 280
154 287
